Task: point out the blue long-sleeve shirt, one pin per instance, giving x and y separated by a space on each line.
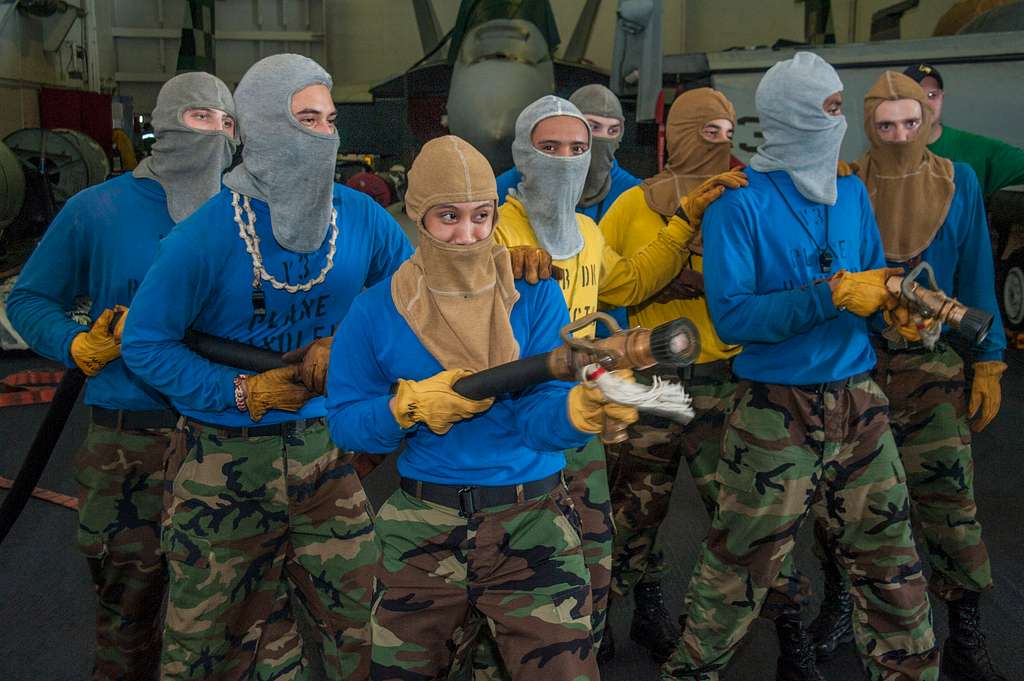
769 293
622 180
961 255
100 245
202 279
519 439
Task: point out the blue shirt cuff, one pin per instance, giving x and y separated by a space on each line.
385 425
824 297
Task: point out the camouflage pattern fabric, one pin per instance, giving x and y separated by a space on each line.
927 404
249 523
586 476
787 451
643 471
120 477
520 566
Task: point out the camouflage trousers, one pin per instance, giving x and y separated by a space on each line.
586 476
120 486
519 568
787 451
256 530
927 409
929 421
643 471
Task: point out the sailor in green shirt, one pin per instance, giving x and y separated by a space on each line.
996 163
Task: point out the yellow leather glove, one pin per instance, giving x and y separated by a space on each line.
589 409
908 324
697 200
863 293
986 393
314 359
533 264
433 402
275 389
93 349
844 169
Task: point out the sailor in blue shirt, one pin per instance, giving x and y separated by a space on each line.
100 246
483 518
264 505
931 209
798 267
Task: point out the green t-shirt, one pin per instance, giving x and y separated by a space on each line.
996 163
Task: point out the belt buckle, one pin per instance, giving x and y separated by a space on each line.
685 373
467 502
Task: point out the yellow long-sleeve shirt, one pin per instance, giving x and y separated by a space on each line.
598 273
629 227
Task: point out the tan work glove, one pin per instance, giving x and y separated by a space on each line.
275 389
93 349
844 169
909 324
313 359
986 393
697 200
589 409
433 402
863 293
533 264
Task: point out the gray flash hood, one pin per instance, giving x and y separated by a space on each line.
597 100
283 163
188 163
551 185
799 137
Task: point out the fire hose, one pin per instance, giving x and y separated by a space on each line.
673 343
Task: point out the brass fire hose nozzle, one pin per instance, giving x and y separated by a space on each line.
675 343
931 302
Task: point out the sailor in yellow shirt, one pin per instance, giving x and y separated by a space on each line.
643 469
552 152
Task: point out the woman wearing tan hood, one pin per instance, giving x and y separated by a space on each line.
482 522
930 208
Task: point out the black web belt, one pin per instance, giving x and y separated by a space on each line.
469 499
119 419
285 429
832 386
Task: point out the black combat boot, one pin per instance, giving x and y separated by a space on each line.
965 655
607 650
834 624
796 651
653 627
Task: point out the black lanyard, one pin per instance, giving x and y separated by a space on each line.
825 256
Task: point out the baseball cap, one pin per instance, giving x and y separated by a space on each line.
921 71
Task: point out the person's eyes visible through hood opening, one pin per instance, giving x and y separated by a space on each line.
314 109
213 120
463 223
561 136
604 127
897 121
833 104
718 130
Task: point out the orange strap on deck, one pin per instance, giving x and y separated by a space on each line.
45 494
29 387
